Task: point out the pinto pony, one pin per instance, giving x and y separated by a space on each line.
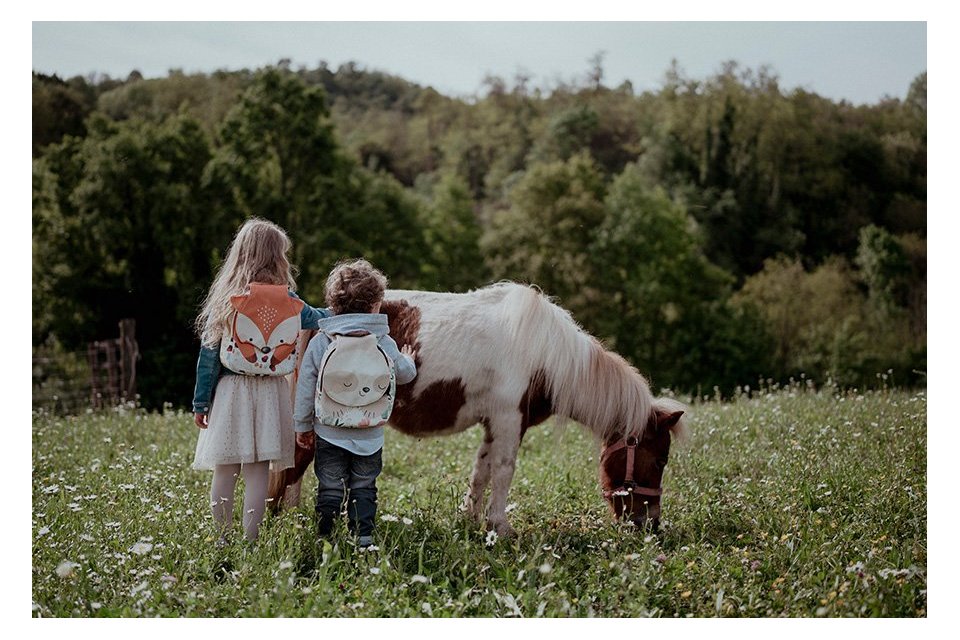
507 358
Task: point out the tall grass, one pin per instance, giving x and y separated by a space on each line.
786 502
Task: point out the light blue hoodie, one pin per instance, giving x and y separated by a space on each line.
363 442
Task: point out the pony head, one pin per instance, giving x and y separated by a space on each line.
631 468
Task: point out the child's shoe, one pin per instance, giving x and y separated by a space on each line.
365 541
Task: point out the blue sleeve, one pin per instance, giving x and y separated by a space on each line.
304 414
208 372
310 316
403 364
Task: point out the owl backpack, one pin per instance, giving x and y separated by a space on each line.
262 336
357 382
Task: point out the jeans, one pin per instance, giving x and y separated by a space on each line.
339 471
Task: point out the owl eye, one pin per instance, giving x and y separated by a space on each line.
348 384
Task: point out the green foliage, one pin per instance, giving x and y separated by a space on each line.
545 235
59 109
822 326
452 234
660 300
640 212
884 268
787 502
204 98
121 234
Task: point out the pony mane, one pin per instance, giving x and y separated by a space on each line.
585 382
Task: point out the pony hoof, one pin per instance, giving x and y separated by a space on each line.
503 529
472 510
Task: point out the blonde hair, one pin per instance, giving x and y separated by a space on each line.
258 253
354 286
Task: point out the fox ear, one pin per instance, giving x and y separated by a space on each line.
237 301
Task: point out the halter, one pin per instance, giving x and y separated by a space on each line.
629 486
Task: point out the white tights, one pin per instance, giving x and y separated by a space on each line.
255 475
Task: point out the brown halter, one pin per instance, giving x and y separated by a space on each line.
628 486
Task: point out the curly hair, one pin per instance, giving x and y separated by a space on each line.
354 286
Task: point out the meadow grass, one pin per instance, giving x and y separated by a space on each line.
786 502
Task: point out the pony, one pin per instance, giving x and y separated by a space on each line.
506 358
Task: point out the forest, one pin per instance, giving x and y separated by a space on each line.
717 232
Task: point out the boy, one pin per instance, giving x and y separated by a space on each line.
347 459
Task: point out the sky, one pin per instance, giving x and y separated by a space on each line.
861 62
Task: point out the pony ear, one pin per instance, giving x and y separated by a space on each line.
670 420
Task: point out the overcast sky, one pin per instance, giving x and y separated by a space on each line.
856 61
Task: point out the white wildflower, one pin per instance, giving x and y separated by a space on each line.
419 578
426 608
66 568
86 537
407 521
286 564
375 570
511 507
141 548
52 488
546 568
491 538
388 517
95 605
43 531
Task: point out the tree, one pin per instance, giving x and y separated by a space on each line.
452 234
660 301
281 161
122 229
544 236
884 268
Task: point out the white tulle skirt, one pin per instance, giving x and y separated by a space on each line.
250 420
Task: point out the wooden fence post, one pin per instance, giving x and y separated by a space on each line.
129 353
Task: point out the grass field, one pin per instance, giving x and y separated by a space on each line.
784 503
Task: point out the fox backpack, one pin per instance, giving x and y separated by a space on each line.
262 336
357 382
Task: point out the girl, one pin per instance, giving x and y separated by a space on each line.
246 426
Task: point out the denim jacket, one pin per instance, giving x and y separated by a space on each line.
209 369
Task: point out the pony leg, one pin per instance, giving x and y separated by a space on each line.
473 501
506 433
278 495
291 497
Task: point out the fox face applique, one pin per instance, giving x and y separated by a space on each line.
263 332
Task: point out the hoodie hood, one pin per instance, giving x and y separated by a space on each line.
375 323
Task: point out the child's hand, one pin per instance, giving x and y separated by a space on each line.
305 440
407 350
200 419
